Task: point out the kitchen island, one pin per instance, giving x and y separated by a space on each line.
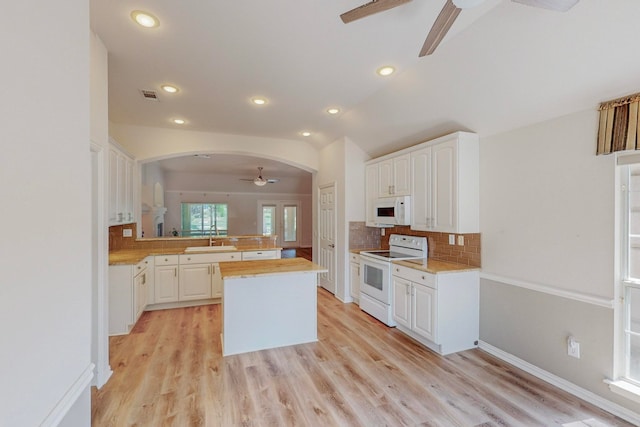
268 304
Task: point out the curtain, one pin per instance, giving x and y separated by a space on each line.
619 129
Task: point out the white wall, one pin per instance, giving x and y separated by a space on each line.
99 231
547 221
45 296
547 206
342 162
354 176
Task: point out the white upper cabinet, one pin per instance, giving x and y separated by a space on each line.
445 190
421 189
441 176
121 187
371 193
394 176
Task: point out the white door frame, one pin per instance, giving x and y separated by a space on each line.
100 267
280 204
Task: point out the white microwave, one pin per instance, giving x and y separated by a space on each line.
393 210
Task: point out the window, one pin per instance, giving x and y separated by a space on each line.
203 219
268 220
630 290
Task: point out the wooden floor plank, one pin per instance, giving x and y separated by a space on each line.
169 371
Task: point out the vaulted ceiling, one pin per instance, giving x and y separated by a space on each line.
503 65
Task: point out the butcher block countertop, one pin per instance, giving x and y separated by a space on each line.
436 267
268 267
134 256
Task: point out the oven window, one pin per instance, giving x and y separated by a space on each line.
386 212
373 276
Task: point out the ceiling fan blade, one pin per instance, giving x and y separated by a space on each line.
558 5
370 8
443 22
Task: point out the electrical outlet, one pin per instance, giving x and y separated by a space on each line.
460 240
452 239
127 232
573 347
382 232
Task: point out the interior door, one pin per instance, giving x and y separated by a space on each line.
327 236
281 218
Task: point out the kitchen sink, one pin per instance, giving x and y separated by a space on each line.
210 248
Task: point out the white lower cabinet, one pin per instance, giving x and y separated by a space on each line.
439 310
194 282
128 295
166 279
415 307
354 277
190 277
216 281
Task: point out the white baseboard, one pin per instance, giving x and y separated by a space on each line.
561 383
102 376
61 409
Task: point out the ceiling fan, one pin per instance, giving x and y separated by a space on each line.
447 16
259 180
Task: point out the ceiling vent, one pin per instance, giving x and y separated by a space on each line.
150 95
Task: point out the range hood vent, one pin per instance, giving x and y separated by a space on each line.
150 95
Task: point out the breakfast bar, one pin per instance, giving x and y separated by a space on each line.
268 304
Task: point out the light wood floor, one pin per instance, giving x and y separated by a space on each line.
305 253
169 372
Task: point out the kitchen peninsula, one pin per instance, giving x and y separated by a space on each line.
268 304
160 273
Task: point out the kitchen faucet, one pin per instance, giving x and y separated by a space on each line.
211 229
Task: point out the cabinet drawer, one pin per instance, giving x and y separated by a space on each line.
140 267
208 258
166 259
227 256
354 258
414 275
251 255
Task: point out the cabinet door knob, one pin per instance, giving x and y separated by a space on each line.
189 259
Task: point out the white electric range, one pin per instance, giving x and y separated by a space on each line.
376 295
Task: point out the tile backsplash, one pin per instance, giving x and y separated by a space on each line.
361 237
118 242
439 247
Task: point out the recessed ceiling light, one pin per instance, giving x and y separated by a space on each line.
258 100
305 133
169 88
387 70
179 121
145 19
333 111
